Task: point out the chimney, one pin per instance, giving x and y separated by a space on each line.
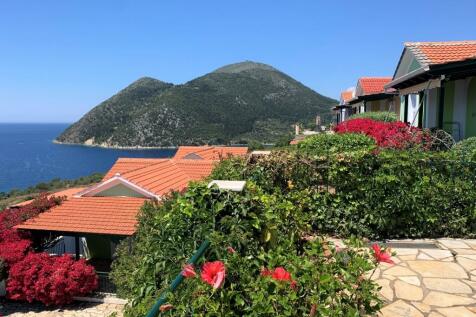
296 129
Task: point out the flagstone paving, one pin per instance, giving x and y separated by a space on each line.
76 309
430 282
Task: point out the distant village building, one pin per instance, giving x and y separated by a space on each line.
343 111
436 84
370 95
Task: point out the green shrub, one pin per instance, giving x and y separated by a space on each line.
377 116
265 230
324 144
391 194
465 149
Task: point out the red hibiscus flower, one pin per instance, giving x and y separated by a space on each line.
188 271
381 256
213 273
280 274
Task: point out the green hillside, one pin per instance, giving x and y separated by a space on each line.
237 103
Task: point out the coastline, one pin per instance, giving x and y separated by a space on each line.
116 147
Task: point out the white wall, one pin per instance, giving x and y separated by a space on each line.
413 100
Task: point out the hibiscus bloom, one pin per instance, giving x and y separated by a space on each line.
213 273
188 271
381 256
280 274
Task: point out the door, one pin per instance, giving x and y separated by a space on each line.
471 110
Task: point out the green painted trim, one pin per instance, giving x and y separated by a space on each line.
449 103
402 108
471 110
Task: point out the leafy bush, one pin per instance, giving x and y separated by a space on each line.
50 280
249 232
324 144
465 149
384 116
386 194
396 135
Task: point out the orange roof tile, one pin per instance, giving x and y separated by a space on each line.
431 53
373 85
123 165
160 176
209 152
346 95
98 215
65 192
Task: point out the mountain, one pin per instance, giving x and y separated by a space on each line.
236 103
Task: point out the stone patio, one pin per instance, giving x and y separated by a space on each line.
76 309
430 281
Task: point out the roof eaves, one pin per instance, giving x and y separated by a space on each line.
406 77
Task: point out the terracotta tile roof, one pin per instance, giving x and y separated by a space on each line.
346 95
65 192
209 152
160 176
432 53
117 215
123 165
98 215
373 85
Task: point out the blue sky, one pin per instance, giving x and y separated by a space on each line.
58 59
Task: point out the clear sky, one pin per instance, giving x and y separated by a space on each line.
58 59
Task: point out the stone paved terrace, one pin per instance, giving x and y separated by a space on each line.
76 309
428 281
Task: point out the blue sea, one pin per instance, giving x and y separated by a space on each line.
28 156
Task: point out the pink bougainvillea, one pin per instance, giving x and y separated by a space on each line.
397 135
39 276
50 280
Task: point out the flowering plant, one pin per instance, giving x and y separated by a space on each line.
50 280
38 276
397 135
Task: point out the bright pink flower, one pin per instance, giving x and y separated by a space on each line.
381 256
213 273
188 271
230 250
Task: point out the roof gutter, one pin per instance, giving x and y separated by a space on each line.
406 77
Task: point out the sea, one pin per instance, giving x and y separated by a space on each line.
28 155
